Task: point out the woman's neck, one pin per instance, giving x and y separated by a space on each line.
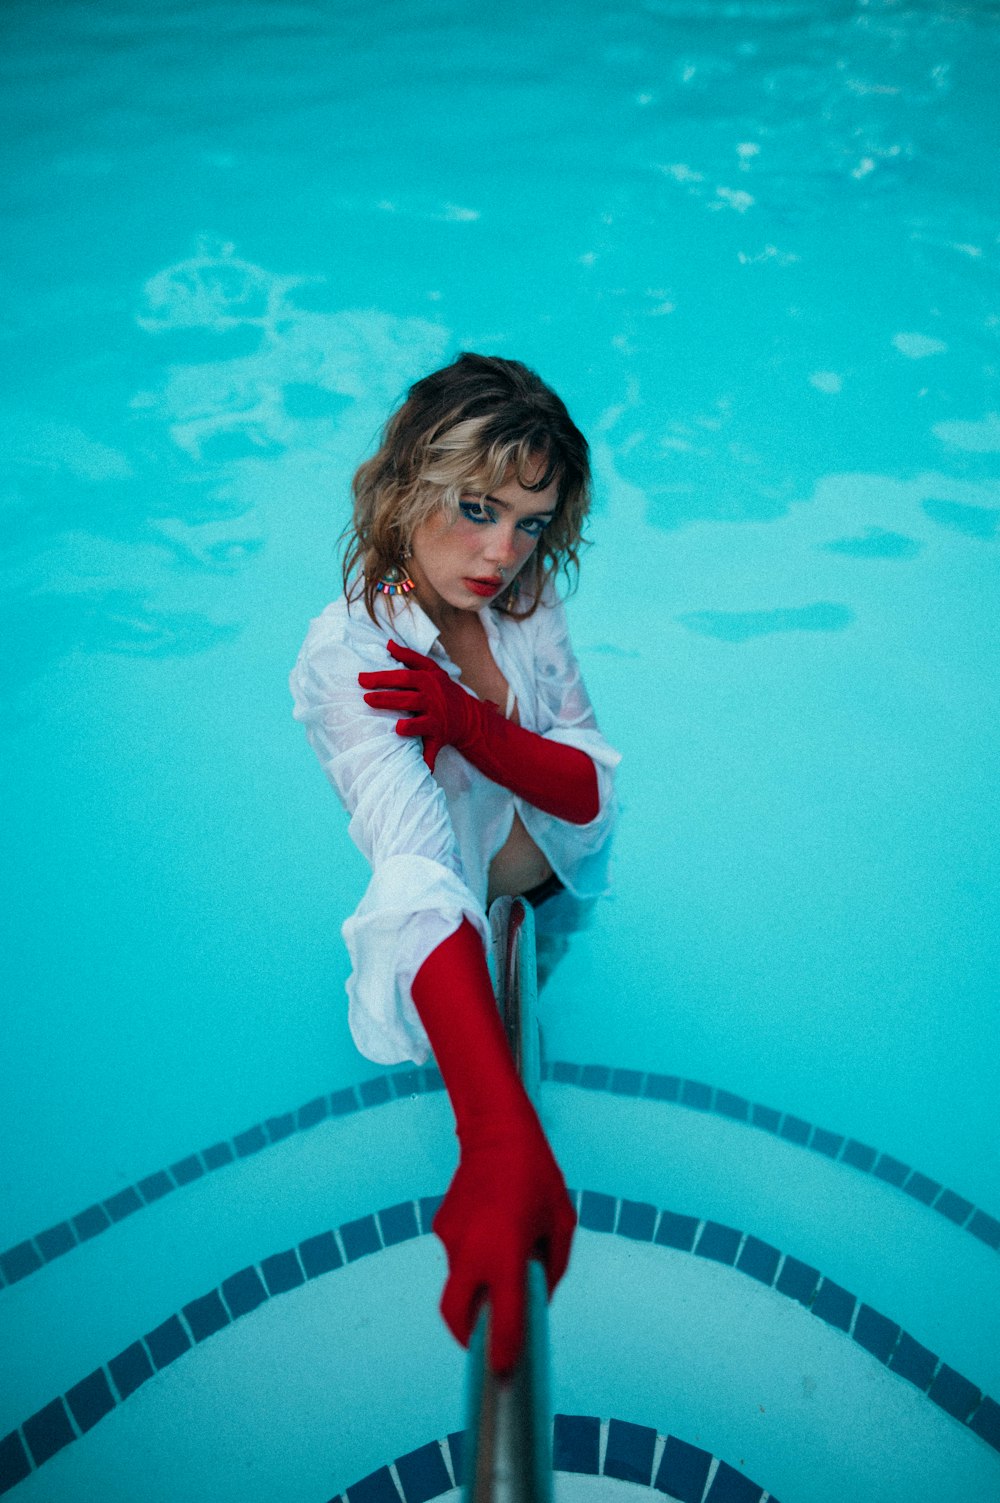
450 620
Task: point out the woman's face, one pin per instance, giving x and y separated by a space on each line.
457 563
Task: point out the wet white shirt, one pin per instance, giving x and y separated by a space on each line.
430 838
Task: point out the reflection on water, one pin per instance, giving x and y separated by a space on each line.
740 626
304 369
877 542
766 244
974 521
245 376
39 630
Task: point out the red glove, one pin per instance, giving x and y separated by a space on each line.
507 1201
557 779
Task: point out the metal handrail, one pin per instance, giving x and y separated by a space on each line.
509 1424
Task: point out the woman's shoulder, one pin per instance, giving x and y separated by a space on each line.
549 599
344 632
548 620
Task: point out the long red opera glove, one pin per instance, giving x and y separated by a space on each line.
557 779
508 1200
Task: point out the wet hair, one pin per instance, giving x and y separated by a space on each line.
469 426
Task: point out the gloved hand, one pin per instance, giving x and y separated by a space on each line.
508 1200
507 1203
442 712
555 778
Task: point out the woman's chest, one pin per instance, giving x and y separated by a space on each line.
471 654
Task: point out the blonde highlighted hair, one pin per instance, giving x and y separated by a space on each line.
469 426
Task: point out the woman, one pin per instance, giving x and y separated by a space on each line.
475 498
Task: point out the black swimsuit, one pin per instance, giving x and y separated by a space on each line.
547 889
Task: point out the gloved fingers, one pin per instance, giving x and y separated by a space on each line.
445 1224
455 1228
394 699
431 748
417 725
415 659
460 1303
556 1249
390 678
507 1319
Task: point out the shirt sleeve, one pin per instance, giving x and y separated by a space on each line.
580 855
418 893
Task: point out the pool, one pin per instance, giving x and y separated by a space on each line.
754 247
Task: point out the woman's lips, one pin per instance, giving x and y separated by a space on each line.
482 586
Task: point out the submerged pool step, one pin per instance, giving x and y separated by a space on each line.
700 1096
31 1254
868 1236
673 1340
65 1418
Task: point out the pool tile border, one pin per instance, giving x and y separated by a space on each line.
882 1338
699 1096
69 1416
32 1254
581 1443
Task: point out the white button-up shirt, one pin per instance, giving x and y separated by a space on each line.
430 838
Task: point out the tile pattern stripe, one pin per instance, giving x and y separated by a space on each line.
88 1401
27 1257
583 1444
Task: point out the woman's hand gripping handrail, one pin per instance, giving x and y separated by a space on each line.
508 1424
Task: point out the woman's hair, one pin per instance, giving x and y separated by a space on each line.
466 427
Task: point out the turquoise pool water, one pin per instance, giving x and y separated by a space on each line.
754 246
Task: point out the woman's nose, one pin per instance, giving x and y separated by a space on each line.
502 547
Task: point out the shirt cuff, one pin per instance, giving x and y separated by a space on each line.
410 906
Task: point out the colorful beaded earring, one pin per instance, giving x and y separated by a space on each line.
395 580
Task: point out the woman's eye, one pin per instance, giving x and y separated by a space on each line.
474 510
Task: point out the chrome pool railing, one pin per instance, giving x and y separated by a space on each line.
509 1427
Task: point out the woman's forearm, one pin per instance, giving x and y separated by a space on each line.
558 779
508 1201
453 995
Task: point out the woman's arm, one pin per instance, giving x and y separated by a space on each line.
395 805
560 780
418 920
564 716
400 821
507 1202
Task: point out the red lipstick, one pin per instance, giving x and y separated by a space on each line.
483 587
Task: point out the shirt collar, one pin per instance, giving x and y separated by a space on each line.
406 621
